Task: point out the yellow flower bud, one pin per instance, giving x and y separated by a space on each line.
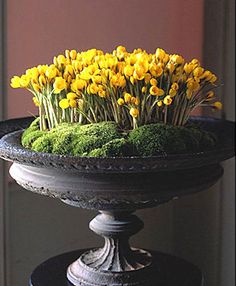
36 102
189 93
71 96
177 59
67 54
160 103
195 62
92 88
42 80
144 89
102 93
134 112
73 54
121 101
218 105
139 73
132 80
59 85
210 95
61 60
160 54
167 100
198 72
172 92
15 82
153 81
188 68
36 87
55 61
128 70
51 72
154 90
64 103
175 86
24 81
127 97
213 79
147 78
73 103
192 84
170 67
155 70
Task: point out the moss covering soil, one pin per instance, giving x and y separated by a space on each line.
105 139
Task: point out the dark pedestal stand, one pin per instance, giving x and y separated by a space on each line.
170 270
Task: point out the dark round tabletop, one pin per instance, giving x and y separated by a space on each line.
169 270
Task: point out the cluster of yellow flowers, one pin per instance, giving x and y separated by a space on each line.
132 89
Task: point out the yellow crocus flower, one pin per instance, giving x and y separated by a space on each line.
167 100
92 88
73 54
147 78
102 93
59 85
120 101
42 80
128 70
61 60
139 73
172 92
177 59
154 90
160 54
213 79
218 105
24 81
197 72
127 97
155 70
134 112
175 86
144 89
36 87
51 72
73 103
71 96
64 103
15 82
160 103
153 81
188 68
210 95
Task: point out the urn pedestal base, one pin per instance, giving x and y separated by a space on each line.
167 270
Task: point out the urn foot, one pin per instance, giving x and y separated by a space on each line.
116 263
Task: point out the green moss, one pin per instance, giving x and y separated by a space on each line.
105 130
61 142
155 139
114 148
43 144
35 123
105 140
28 138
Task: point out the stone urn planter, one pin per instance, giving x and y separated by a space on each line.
117 187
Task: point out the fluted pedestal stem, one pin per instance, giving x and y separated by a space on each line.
116 262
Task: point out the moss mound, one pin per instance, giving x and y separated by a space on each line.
156 139
106 140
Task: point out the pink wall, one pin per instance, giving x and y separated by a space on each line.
38 30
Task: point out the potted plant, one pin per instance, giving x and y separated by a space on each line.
114 134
